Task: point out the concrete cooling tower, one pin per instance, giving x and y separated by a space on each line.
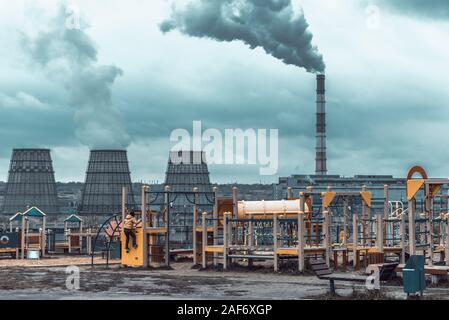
107 173
31 182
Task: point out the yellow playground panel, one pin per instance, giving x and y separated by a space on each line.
135 257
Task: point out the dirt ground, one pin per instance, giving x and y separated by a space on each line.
46 279
54 261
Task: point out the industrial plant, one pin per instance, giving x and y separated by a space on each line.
318 222
82 215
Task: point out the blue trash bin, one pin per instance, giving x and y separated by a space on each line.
413 274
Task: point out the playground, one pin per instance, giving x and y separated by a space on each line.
310 245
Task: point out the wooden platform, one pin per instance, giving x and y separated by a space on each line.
217 249
200 229
65 246
8 250
156 230
295 251
392 249
368 248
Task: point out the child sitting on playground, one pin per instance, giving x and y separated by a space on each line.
129 226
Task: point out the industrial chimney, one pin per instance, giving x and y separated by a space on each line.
107 173
320 160
31 182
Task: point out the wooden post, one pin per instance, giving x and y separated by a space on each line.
301 232
386 201
429 225
235 214
275 241
143 208
411 227
167 221
355 240
234 203
309 191
195 222
124 197
402 228
345 221
446 243
23 244
386 232
225 240
69 242
430 237
364 219
327 236
215 217
250 240
380 233
289 193
44 238
204 240
89 241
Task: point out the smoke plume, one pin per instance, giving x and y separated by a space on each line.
270 24
68 56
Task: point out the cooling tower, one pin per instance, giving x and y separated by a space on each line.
31 182
320 160
107 173
184 176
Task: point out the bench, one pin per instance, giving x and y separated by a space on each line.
11 251
322 271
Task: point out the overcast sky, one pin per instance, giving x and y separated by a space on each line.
387 88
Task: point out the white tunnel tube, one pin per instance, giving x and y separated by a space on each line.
268 208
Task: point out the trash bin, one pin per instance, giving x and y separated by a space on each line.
413 274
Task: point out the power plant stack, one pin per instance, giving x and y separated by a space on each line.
320 160
31 182
183 176
107 173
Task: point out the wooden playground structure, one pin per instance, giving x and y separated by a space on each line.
278 230
25 237
77 238
341 228
289 229
153 232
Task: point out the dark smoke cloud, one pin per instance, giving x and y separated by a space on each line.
433 9
269 24
68 56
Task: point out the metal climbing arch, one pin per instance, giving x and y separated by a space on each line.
107 234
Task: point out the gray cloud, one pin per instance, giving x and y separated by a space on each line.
434 9
269 24
68 56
